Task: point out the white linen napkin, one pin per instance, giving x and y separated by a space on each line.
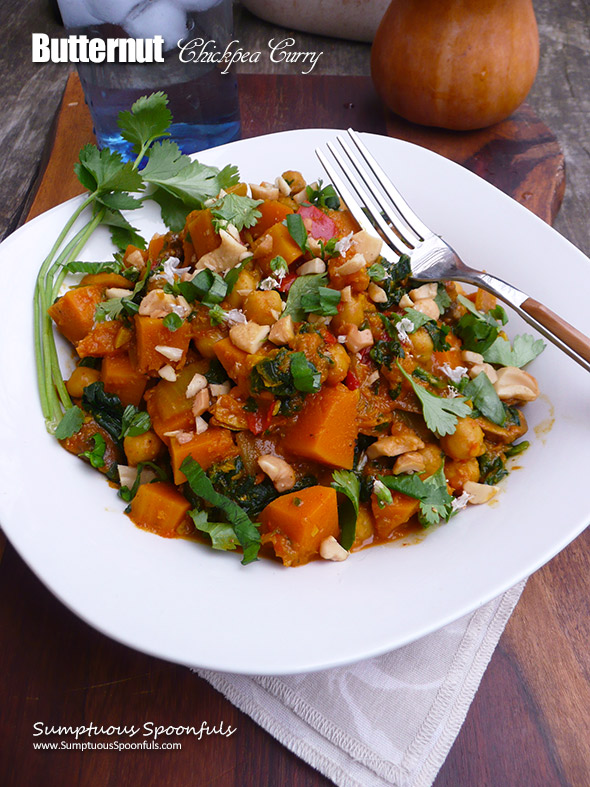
390 720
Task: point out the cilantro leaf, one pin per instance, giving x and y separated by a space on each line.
377 272
348 484
134 422
323 197
96 455
434 497
119 200
484 397
306 377
245 530
239 211
442 299
417 318
172 209
148 120
440 414
297 230
524 349
70 424
172 321
323 301
122 233
188 180
222 535
104 170
302 286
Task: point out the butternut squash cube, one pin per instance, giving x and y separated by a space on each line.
120 377
73 313
161 509
207 448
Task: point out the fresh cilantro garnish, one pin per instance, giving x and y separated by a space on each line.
442 299
70 424
427 377
134 422
244 529
395 272
438 334
491 469
209 286
297 230
323 197
239 211
222 535
440 414
484 397
328 248
148 120
478 330
524 349
377 272
347 483
127 494
279 265
306 377
216 315
96 455
384 352
382 493
172 321
115 308
301 287
104 171
122 233
417 318
323 301
435 500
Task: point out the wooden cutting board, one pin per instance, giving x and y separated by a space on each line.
519 729
520 156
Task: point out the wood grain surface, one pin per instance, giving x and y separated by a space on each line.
529 722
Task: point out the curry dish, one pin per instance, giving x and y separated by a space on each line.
266 381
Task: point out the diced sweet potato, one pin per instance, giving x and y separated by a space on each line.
207 448
155 247
73 313
120 377
168 405
282 244
104 339
199 225
327 429
105 280
152 332
273 212
344 221
297 523
231 358
161 509
389 518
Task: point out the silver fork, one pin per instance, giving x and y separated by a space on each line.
432 259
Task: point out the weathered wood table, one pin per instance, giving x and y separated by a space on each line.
530 721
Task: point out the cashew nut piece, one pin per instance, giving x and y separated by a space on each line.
226 256
425 291
428 307
357 340
376 293
198 382
394 445
249 336
406 302
368 245
280 472
353 265
330 549
201 402
313 266
282 331
479 493
514 383
486 368
264 191
470 357
412 462
158 303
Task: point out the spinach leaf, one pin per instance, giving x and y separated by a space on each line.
484 397
106 409
347 483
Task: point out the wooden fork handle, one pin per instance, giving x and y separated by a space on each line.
575 339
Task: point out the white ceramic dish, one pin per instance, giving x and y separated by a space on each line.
186 603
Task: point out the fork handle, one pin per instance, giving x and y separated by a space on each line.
575 339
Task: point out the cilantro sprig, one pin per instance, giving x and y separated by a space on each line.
178 184
440 414
434 497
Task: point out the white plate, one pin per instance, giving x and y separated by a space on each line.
184 602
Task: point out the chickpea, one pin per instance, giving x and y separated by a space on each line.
247 282
458 471
466 441
80 378
432 456
142 448
295 179
341 359
422 345
351 312
263 308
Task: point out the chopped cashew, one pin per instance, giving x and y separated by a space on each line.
425 291
428 307
219 389
372 378
376 293
283 186
183 437
117 292
514 383
479 493
368 245
226 256
301 196
136 260
353 265
470 357
405 301
280 472
346 294
313 266
486 368
249 337
264 191
283 331
411 462
158 303
167 373
197 384
172 353
128 475
394 445
357 340
201 425
330 549
201 402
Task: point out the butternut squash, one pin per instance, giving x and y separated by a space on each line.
457 64
161 509
103 340
73 313
152 332
122 378
207 448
